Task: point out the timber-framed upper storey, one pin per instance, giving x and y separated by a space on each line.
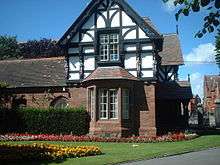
136 49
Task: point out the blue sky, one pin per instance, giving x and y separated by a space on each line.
35 19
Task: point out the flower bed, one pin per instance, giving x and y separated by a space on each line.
10 152
71 138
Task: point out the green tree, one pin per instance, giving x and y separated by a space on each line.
9 47
211 20
40 48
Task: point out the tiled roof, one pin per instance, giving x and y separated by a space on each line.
106 73
33 73
171 54
174 90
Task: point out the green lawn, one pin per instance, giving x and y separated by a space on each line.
121 152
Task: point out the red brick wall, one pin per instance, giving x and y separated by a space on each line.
145 105
42 98
142 106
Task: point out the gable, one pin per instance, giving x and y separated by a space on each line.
100 14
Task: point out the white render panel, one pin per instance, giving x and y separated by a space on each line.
89 63
147 47
73 50
131 35
142 34
86 38
130 48
111 12
147 61
75 38
101 21
125 30
170 75
134 73
74 64
126 20
130 61
86 74
74 76
116 20
147 73
90 24
92 33
88 50
115 6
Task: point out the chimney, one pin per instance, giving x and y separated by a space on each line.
188 77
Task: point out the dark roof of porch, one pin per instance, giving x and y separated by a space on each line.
42 72
174 90
106 73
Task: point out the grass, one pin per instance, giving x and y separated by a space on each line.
122 152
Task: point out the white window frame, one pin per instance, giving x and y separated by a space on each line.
91 101
103 104
102 93
109 43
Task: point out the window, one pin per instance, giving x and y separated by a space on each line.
91 101
60 103
108 104
125 103
109 47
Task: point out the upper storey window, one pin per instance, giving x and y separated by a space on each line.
109 47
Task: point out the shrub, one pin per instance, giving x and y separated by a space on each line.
9 152
45 121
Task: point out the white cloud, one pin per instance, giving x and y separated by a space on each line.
169 6
197 83
202 53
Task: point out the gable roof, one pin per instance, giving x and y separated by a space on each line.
92 6
150 23
42 72
107 73
172 53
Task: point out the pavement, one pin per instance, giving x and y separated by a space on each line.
206 157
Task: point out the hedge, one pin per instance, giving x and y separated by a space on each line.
45 121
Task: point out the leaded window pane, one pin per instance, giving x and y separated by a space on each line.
109 47
108 104
103 103
125 103
114 52
113 104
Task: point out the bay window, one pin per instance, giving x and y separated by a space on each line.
108 103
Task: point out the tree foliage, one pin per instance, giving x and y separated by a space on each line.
9 47
42 48
211 20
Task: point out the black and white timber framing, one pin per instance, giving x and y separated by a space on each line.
139 43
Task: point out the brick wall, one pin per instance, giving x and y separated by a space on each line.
42 97
142 106
145 105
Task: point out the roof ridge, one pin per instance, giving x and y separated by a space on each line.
169 34
32 59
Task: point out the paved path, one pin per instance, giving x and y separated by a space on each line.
207 157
